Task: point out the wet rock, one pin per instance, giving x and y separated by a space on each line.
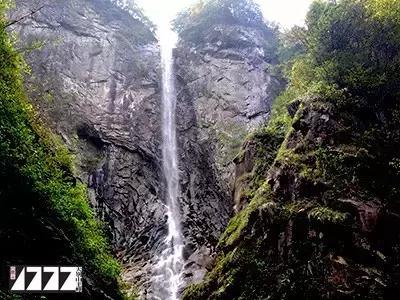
230 94
224 92
198 263
293 107
99 69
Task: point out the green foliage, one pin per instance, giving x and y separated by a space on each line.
238 274
291 45
353 45
238 223
327 215
5 4
244 264
268 139
200 20
349 60
385 9
37 177
342 144
213 12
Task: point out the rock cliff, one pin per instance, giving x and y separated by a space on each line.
99 70
318 187
224 92
305 234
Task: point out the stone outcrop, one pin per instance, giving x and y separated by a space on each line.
96 81
228 83
312 229
98 73
224 92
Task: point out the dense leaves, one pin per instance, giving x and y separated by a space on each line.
352 60
353 46
314 227
194 23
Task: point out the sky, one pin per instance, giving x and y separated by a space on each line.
286 13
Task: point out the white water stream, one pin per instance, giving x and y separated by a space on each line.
167 276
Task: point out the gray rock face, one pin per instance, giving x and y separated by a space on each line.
96 81
228 84
224 92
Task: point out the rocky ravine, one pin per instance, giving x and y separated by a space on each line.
96 80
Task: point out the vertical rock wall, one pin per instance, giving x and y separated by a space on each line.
96 81
224 91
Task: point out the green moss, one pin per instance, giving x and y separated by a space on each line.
239 271
244 183
341 164
239 222
268 140
311 174
327 215
240 156
288 156
342 70
217 275
234 229
314 211
293 208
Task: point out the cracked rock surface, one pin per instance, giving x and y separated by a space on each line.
227 82
224 92
96 82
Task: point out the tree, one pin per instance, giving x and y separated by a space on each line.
354 44
135 11
196 21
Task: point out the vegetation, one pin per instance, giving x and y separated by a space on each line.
325 184
200 23
135 11
352 58
245 13
268 139
330 167
45 215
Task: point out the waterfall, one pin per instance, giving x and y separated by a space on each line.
167 276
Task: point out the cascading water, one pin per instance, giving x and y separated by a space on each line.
167 276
